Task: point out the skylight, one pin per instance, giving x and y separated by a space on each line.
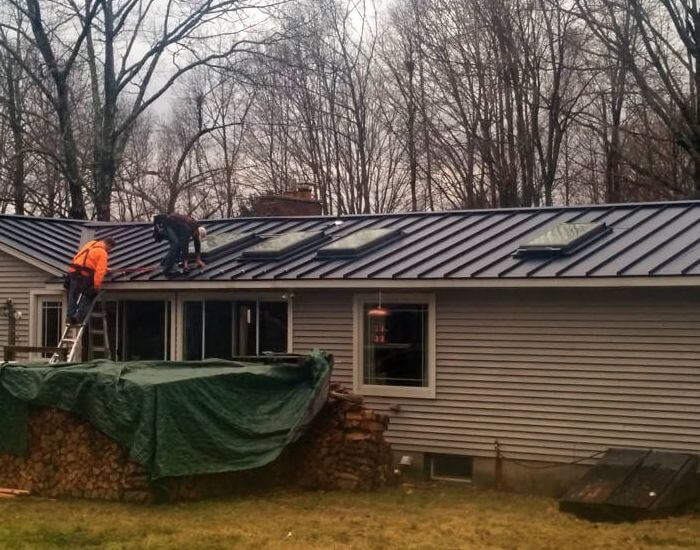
213 245
563 239
359 242
281 245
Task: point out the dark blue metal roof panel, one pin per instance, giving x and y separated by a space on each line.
645 240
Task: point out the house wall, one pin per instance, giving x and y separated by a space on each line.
553 376
17 278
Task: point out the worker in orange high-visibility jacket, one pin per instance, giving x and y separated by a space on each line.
85 275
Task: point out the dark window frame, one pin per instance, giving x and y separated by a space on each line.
239 306
434 458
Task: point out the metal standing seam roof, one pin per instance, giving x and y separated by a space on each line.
647 239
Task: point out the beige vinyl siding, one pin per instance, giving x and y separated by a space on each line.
323 320
551 375
16 279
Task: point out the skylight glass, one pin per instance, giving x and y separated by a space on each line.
281 245
220 242
359 242
563 239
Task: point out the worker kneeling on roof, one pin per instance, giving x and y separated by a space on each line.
178 230
85 276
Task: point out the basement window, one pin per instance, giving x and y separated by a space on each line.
359 243
279 246
451 467
563 239
395 345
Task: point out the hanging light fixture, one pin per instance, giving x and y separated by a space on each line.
377 318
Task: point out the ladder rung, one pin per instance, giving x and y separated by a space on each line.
99 349
97 314
69 340
97 331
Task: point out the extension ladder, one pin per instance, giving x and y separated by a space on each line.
72 338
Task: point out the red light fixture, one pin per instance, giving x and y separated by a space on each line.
377 318
378 311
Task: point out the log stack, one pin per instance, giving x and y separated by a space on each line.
67 457
344 448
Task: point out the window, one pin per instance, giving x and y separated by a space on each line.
273 327
209 330
51 316
279 246
359 243
451 467
224 329
144 330
216 245
395 345
565 238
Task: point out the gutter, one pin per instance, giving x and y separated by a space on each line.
568 282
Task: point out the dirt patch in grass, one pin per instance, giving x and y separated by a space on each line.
406 518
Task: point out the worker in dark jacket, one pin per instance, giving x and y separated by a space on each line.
85 275
178 230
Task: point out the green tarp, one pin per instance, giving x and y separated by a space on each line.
175 418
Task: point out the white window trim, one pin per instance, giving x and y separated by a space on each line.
427 392
36 298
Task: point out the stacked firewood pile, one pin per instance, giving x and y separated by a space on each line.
68 457
344 448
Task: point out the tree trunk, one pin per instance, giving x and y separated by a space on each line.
14 107
106 163
70 150
62 106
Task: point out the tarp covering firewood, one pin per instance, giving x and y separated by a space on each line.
175 418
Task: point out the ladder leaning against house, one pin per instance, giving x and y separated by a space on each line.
73 333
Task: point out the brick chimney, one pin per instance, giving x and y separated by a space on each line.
298 202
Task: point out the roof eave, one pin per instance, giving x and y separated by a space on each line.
337 284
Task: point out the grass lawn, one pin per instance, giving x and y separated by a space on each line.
437 517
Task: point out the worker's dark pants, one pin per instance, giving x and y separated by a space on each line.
179 243
80 295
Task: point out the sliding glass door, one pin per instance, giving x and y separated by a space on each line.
144 330
229 328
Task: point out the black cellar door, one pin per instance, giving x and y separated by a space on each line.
144 328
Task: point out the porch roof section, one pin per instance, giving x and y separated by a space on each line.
649 240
